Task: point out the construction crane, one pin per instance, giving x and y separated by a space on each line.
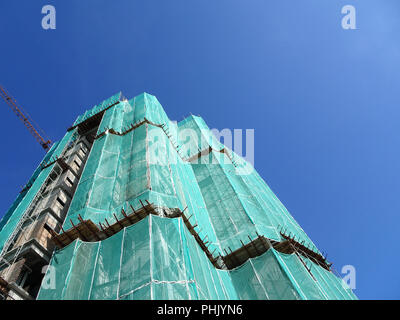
26 119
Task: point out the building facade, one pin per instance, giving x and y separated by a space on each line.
130 205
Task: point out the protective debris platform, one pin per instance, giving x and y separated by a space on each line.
87 230
254 248
291 246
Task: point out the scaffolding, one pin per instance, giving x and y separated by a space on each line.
28 247
163 210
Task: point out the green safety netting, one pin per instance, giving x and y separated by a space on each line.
141 155
25 198
98 108
158 258
251 204
144 164
195 136
30 182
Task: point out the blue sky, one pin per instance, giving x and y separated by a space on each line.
324 102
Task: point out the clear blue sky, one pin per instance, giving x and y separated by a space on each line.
324 102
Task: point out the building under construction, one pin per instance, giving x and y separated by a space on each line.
130 205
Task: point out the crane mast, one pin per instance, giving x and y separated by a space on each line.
25 118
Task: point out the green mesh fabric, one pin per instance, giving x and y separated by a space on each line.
24 199
158 258
144 164
140 155
98 108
